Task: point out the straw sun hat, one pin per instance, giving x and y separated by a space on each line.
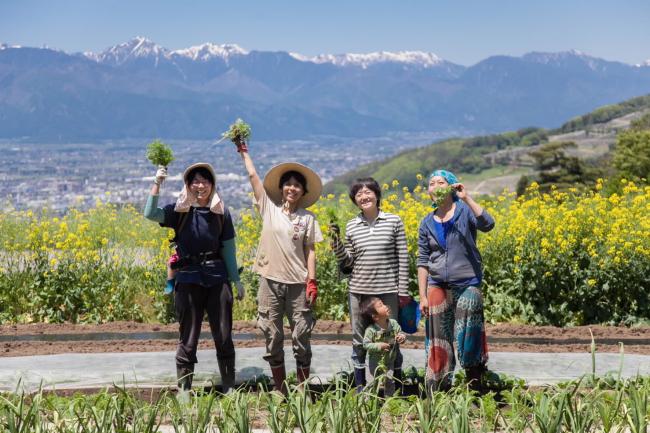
314 184
197 165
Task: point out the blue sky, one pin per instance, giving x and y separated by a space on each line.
462 31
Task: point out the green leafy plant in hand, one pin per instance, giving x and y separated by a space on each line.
159 153
238 132
440 194
331 214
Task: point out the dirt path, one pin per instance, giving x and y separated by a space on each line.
501 338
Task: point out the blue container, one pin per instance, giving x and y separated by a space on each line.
409 317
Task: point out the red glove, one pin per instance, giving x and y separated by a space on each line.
312 290
241 146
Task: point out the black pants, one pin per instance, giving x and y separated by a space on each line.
191 302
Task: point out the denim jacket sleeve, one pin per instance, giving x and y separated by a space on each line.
484 222
424 249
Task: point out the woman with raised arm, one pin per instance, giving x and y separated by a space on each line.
374 252
286 260
205 243
449 280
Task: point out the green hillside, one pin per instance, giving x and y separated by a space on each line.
605 114
502 157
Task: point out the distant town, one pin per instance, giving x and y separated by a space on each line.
59 176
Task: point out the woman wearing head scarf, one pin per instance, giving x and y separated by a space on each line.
449 280
286 260
374 251
205 243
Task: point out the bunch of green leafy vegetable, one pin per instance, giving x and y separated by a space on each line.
159 153
238 132
440 194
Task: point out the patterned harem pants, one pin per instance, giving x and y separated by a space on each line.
454 314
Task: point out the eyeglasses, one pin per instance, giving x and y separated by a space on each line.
363 193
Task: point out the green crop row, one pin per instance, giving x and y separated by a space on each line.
571 407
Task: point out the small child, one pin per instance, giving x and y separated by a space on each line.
381 340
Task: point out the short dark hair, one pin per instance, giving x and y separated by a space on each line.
204 172
369 183
296 175
367 308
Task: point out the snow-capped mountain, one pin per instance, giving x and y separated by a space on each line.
141 89
418 58
4 46
137 48
209 51
542 57
141 47
564 58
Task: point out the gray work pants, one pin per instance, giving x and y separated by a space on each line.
274 301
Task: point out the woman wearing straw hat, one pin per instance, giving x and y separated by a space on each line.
449 280
205 241
286 260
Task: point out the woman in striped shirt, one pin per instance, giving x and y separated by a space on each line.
375 251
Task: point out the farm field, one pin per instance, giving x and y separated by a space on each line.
47 339
557 265
590 403
560 266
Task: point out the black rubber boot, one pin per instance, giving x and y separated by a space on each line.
360 378
184 374
474 376
398 377
227 372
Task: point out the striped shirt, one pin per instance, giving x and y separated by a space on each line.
377 254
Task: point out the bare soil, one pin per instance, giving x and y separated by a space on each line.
501 338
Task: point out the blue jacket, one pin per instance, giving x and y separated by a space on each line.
461 260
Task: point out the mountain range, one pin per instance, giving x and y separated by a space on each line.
139 89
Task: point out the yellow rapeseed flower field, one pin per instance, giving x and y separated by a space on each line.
559 257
